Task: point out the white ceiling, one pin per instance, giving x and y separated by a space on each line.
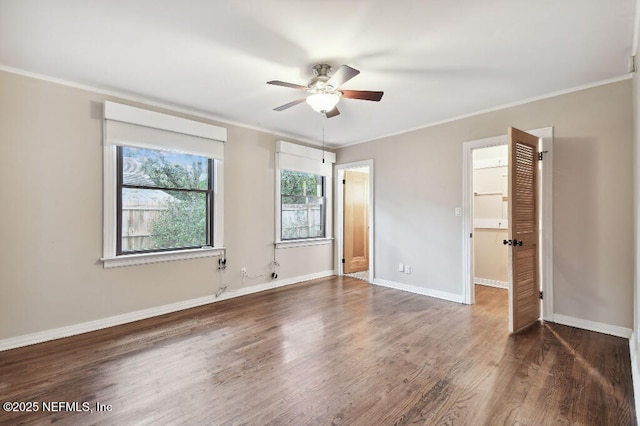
434 59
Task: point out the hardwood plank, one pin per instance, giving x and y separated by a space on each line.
330 351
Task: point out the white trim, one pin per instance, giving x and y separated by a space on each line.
496 108
144 117
218 203
468 292
491 283
362 166
157 257
598 327
274 284
109 201
635 374
86 327
303 243
546 215
636 29
546 220
419 290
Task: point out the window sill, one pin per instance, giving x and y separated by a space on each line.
165 256
303 243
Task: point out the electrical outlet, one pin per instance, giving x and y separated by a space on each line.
400 267
407 269
243 272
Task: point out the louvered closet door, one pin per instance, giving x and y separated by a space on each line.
523 229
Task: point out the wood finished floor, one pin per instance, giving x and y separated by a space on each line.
328 352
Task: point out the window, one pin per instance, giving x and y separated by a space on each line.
303 195
165 200
163 191
302 205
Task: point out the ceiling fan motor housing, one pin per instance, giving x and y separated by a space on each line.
318 83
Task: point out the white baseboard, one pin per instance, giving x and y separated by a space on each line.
614 330
491 283
85 327
419 290
273 284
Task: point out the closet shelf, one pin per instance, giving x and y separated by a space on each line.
487 193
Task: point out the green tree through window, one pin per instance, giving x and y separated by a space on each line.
165 200
302 205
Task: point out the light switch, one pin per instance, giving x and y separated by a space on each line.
458 211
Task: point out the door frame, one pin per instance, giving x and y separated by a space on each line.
339 214
545 200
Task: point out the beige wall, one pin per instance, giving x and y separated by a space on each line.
51 217
418 183
490 255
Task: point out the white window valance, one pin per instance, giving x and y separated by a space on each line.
300 158
130 126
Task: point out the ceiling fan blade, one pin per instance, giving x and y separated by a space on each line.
332 113
290 104
344 74
362 94
285 84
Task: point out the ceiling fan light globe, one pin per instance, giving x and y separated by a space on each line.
323 102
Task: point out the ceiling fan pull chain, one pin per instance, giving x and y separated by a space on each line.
325 117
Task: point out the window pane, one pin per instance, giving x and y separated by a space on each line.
302 217
157 219
298 183
150 167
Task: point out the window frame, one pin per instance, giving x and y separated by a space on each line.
120 185
174 134
295 157
323 196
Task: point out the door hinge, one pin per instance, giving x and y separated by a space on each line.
632 64
541 295
342 260
541 154
344 181
471 235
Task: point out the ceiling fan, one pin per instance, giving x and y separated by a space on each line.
324 91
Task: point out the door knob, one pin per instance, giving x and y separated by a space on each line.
507 242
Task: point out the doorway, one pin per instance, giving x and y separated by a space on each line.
354 220
545 136
490 227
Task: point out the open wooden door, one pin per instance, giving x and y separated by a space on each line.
356 221
524 285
